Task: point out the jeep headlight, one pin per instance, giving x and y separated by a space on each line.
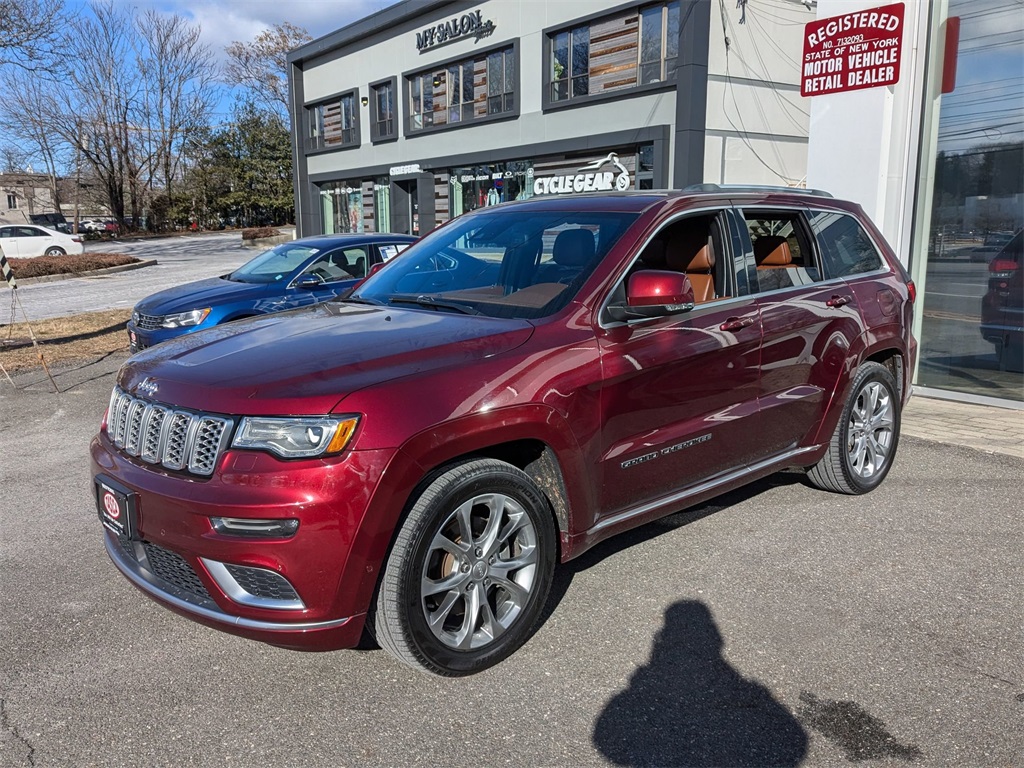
185 319
298 437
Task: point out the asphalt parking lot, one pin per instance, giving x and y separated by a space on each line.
777 626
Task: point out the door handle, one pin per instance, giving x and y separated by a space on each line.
838 301
736 323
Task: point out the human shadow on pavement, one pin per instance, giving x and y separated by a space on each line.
688 707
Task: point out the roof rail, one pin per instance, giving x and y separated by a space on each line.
755 188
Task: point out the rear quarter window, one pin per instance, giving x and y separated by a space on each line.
846 249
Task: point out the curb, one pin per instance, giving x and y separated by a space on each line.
88 273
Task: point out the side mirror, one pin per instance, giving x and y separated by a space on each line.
654 293
309 282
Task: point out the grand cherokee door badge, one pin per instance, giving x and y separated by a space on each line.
665 451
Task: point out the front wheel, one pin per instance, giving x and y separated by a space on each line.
467 579
54 250
863 445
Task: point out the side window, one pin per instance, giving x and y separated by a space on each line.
782 252
343 264
846 249
695 245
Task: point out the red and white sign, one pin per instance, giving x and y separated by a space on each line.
852 51
110 504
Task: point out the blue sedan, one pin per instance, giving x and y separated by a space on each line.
291 275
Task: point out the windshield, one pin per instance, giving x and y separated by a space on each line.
502 263
274 265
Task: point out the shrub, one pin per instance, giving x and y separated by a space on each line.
62 265
254 233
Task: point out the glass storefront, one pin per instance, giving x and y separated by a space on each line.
342 203
478 186
971 334
382 204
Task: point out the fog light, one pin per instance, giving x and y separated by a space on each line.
255 529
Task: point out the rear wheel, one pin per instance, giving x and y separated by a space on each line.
863 445
54 250
470 570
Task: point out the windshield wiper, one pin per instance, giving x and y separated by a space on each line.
432 303
361 300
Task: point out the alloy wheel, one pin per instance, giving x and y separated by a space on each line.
870 432
479 572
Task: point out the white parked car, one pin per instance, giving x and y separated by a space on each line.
25 241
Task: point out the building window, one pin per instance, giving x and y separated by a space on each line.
383 122
333 123
12 202
570 64
636 47
501 74
659 42
462 91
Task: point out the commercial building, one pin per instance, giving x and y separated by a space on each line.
429 109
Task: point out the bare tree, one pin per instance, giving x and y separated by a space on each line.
137 88
261 66
180 91
30 33
26 122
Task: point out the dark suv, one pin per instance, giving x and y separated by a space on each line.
523 382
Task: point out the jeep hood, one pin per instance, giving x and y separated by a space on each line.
306 361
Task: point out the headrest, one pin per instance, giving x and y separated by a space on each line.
772 251
573 248
688 250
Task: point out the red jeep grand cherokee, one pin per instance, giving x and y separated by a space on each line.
523 382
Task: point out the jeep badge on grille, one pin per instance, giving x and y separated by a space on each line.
147 387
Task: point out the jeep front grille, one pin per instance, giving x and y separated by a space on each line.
157 434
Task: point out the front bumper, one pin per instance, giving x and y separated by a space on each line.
139 339
315 635
177 556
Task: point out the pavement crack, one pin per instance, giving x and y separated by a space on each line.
7 725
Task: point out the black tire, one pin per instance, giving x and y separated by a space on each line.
512 572
55 250
855 462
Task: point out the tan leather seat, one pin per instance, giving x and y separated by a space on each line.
772 252
774 260
689 251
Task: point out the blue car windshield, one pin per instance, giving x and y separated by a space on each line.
274 265
501 263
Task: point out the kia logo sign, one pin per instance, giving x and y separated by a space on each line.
110 504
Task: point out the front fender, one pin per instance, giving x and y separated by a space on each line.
444 444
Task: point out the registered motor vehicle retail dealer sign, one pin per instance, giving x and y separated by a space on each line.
852 51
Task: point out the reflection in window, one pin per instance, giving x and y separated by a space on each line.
570 63
332 123
342 207
973 300
464 91
384 110
659 42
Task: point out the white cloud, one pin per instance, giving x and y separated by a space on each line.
224 21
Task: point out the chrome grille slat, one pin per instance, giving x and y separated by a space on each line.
133 431
181 440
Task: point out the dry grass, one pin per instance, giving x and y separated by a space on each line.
62 265
64 339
